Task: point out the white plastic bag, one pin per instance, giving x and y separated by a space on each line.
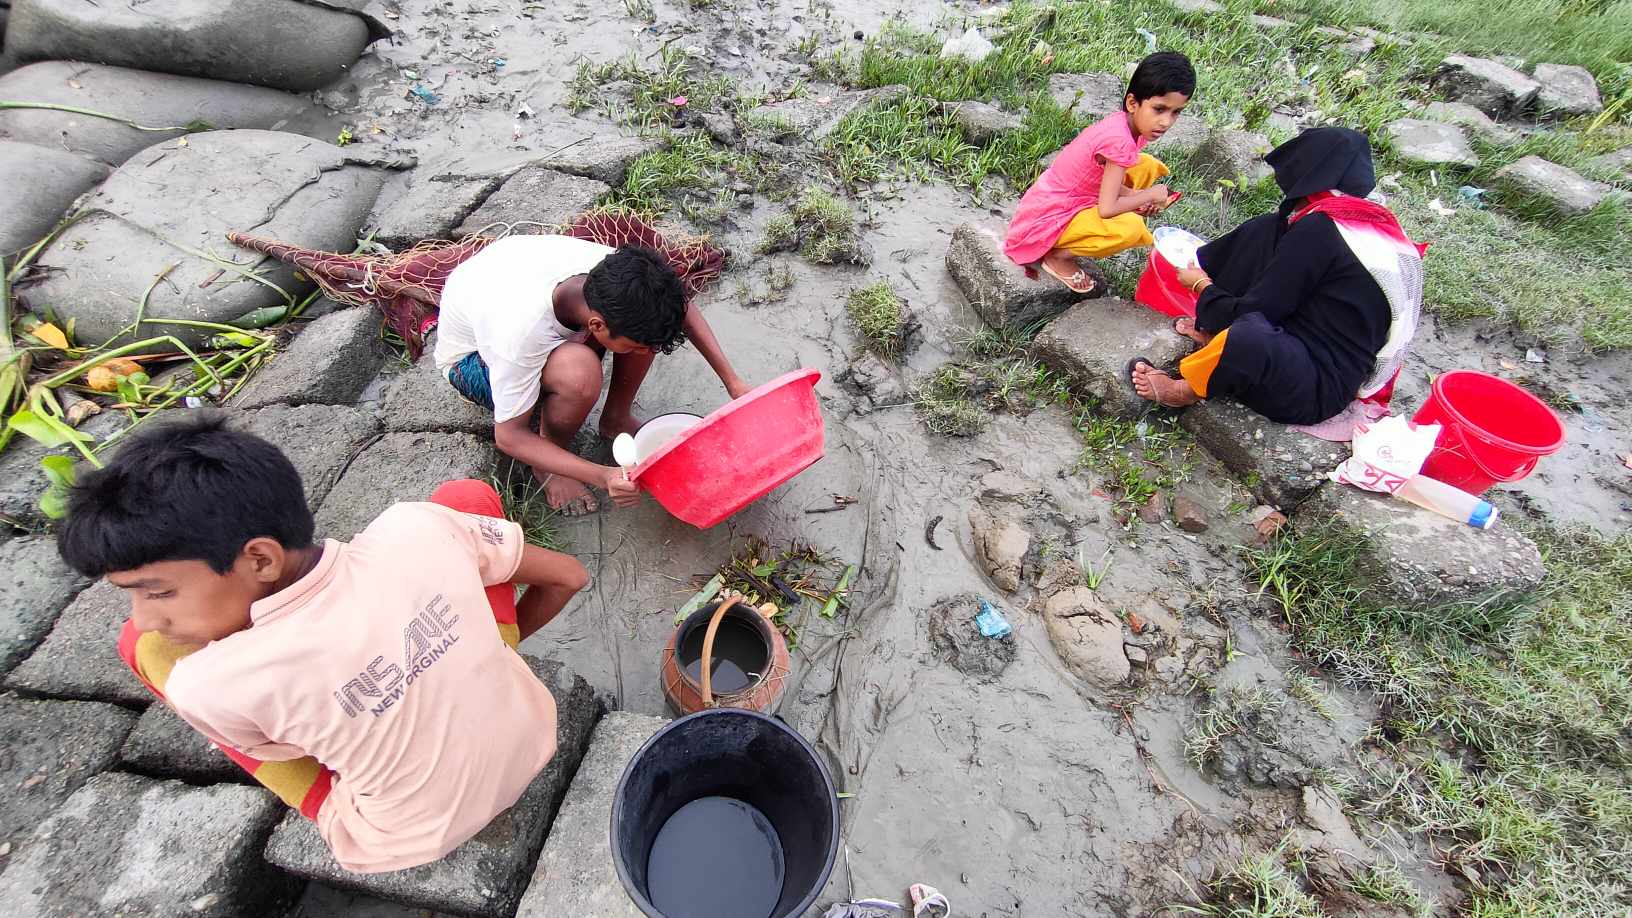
1386 453
971 46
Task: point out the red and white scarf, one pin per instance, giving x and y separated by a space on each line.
1374 235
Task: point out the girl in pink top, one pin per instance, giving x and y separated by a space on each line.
1091 202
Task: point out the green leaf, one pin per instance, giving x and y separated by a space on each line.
54 502
60 469
43 429
765 570
260 318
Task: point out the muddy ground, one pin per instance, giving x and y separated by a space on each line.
1035 792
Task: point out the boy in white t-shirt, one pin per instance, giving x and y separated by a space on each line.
526 321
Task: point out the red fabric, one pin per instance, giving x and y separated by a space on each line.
467 495
1358 212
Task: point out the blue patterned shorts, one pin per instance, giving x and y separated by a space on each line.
469 379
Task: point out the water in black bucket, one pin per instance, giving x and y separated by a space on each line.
740 654
684 876
726 813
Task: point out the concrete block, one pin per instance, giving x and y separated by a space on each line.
1431 143
1278 464
604 158
124 845
165 746
47 750
1558 190
421 398
1419 560
430 208
80 657
575 875
399 467
813 116
534 200
35 585
330 362
1091 344
996 287
321 440
1490 86
484 877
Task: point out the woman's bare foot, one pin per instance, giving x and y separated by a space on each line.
1186 326
1156 386
612 425
568 497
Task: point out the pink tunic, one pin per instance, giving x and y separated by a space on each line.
1069 186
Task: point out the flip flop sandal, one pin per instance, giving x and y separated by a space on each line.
1077 283
1127 371
929 902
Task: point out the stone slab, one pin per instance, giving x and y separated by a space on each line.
35 585
1473 119
320 440
1536 183
979 122
604 158
814 115
1420 560
130 846
421 398
1430 143
153 100
266 183
79 659
330 362
1490 86
1228 154
399 467
279 43
1567 91
48 749
165 746
575 875
1092 343
534 200
430 208
1089 95
484 877
1616 162
1278 464
996 287
1186 134
41 184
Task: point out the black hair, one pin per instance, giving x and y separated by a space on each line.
189 490
640 297
1160 74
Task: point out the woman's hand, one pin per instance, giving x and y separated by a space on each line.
1194 279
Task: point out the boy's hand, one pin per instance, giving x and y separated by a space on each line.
736 387
623 492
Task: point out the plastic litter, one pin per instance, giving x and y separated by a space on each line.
1387 452
419 92
991 622
971 46
1150 40
1473 195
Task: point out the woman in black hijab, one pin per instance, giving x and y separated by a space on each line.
1300 310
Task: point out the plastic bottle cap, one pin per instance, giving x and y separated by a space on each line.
1483 516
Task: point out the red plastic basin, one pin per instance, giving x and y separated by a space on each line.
739 453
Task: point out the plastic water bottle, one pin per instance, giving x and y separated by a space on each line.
991 621
1448 501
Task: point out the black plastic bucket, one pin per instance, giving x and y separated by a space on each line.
749 759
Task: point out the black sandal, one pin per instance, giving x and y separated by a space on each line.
1128 371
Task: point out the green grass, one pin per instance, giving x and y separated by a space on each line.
524 503
880 317
1260 886
676 73
1537 800
818 226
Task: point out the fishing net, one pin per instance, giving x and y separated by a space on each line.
407 287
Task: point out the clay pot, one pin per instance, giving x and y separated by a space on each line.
686 695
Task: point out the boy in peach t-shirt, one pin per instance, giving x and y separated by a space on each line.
372 684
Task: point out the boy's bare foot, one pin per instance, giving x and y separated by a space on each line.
568 497
1156 386
1186 326
612 425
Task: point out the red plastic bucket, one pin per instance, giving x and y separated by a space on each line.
1159 288
739 453
1492 430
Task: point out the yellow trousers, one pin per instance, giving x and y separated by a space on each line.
1197 369
1092 236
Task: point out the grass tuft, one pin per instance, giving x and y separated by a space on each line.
880 317
820 227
